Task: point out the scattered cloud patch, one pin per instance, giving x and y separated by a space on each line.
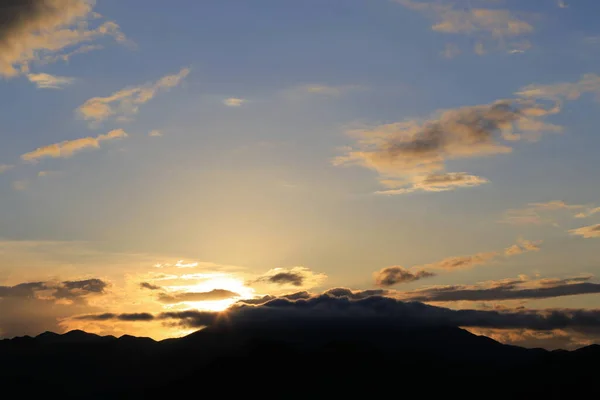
522 246
497 28
5 167
125 103
67 148
155 133
413 154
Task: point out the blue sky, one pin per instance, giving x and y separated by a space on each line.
253 181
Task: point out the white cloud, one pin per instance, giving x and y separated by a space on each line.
47 81
125 102
155 133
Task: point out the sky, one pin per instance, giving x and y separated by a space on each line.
199 155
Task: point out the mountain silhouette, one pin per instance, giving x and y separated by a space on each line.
293 360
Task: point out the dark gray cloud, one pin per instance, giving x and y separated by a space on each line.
394 275
213 295
268 297
343 305
355 295
22 289
509 291
76 289
149 286
57 290
283 278
120 317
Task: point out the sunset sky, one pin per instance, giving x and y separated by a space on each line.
168 156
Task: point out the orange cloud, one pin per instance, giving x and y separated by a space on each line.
69 147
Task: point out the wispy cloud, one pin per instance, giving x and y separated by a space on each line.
522 246
234 102
5 167
588 213
155 133
591 231
47 81
442 182
538 213
69 147
394 275
588 83
562 4
507 289
125 103
411 155
66 57
31 30
499 28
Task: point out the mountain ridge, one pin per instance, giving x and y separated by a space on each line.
347 359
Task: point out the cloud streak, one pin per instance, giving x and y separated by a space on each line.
67 148
125 103
506 290
47 81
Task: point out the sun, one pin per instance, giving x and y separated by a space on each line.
225 282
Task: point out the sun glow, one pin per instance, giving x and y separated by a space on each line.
218 282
